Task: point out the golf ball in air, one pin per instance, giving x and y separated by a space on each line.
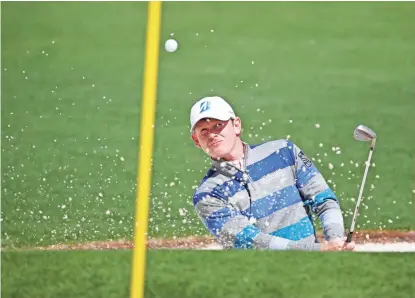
171 45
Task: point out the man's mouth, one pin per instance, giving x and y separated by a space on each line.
215 143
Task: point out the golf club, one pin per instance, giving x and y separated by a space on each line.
362 133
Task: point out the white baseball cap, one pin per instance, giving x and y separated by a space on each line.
214 107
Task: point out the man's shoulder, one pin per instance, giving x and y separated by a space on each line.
206 187
271 146
207 183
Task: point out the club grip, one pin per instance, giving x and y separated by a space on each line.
349 237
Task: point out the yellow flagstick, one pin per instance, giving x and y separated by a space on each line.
146 148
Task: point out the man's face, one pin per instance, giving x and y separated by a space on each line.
215 137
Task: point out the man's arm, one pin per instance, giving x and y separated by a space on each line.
317 194
234 230
331 218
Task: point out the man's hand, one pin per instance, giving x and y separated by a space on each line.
338 244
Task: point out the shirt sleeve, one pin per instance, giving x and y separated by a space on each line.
317 194
234 230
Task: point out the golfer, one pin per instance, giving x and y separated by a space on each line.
260 196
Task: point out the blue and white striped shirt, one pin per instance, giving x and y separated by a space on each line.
268 203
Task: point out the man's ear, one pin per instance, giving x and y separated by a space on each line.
195 140
237 125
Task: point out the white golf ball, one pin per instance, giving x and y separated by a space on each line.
171 45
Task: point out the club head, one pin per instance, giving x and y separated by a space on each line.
364 133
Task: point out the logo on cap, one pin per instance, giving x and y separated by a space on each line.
204 106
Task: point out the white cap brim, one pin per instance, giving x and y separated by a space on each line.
212 115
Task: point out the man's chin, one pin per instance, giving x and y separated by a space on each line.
217 154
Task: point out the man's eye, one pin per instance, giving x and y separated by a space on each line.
218 124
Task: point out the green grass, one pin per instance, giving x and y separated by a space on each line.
67 127
208 274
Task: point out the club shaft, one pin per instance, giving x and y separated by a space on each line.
359 199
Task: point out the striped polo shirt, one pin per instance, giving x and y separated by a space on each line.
267 203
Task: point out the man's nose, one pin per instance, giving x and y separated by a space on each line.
212 135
